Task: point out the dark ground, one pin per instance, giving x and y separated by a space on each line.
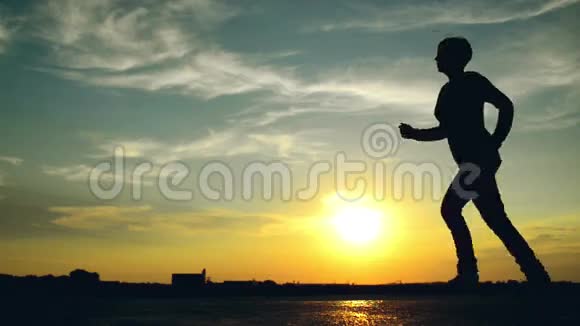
86 300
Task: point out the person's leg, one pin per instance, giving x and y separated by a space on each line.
451 208
491 208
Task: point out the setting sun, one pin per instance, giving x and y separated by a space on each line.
358 224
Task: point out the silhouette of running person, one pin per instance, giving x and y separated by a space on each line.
459 110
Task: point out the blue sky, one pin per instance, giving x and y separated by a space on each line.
239 81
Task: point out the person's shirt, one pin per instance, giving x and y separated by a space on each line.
460 113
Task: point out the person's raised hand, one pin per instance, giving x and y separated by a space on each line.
406 131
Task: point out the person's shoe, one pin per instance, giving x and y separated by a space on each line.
536 274
464 281
538 279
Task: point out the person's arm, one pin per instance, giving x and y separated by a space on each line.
505 106
430 134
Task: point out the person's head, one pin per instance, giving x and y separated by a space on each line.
453 54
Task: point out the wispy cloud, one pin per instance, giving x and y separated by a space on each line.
552 234
225 143
365 86
528 62
168 46
236 142
4 37
418 14
135 148
9 25
14 161
97 217
82 173
292 147
109 45
115 35
11 160
163 46
206 74
147 219
531 64
562 113
524 63
78 172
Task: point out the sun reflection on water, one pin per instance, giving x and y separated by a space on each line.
361 312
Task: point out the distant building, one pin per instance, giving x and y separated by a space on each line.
188 280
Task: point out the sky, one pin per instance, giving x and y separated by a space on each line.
198 83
